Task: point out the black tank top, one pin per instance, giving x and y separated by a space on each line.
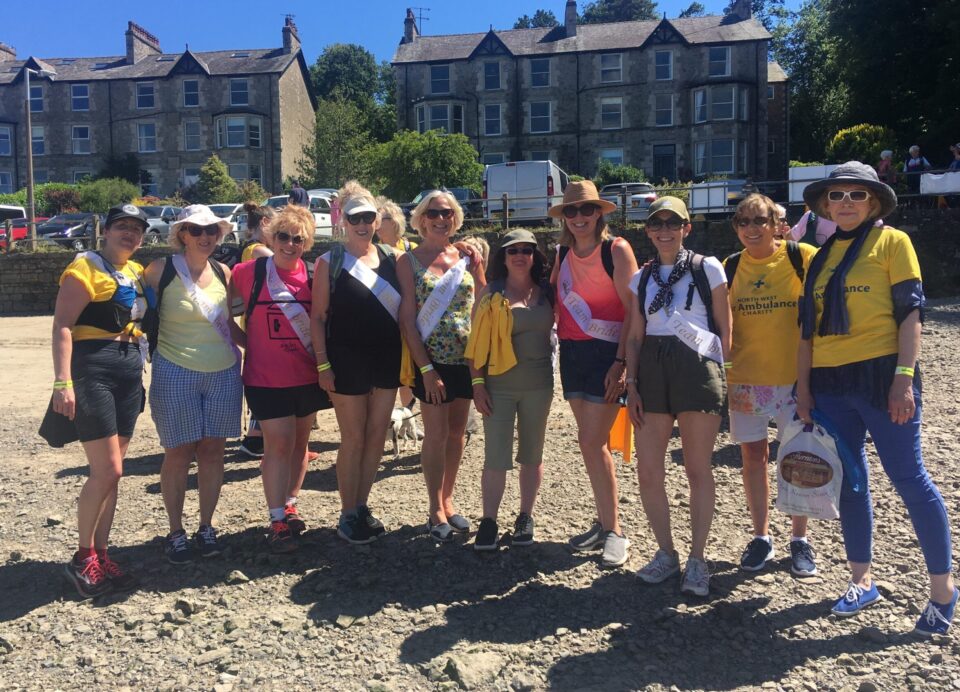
357 320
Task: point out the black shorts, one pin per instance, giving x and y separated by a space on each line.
358 371
456 379
108 384
583 367
280 402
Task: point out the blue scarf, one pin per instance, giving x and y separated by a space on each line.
835 320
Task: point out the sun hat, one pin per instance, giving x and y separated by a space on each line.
521 235
199 215
357 205
125 211
581 192
672 204
852 173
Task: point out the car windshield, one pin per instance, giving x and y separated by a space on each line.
278 202
633 189
222 210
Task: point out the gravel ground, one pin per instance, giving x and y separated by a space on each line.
404 613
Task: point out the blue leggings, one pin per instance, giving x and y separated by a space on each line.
898 447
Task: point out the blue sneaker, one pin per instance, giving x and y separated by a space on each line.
178 549
856 599
206 542
937 617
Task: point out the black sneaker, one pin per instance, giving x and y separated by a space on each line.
205 540
373 524
802 559
252 446
354 530
486 535
523 529
177 548
88 577
756 555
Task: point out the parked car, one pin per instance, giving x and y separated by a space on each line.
74 231
18 229
319 207
231 212
639 198
469 200
532 187
327 192
159 219
11 211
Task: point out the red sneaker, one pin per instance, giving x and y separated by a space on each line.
294 521
122 581
88 577
280 539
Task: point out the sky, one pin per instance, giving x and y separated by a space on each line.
95 28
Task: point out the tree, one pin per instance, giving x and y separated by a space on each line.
608 173
338 151
251 191
101 194
542 19
860 143
214 184
345 70
124 166
694 10
600 11
411 162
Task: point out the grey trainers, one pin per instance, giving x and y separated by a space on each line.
696 578
802 561
591 539
614 550
663 566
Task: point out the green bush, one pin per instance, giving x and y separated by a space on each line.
676 189
411 162
862 143
608 174
215 185
801 164
99 195
574 178
58 198
252 191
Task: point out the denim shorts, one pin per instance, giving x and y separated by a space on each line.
583 367
108 384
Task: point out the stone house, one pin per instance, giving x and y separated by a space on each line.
678 98
253 108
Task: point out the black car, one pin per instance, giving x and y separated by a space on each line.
74 231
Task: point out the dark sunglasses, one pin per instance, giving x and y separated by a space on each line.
284 237
588 209
197 231
673 224
514 250
366 217
439 213
743 221
852 195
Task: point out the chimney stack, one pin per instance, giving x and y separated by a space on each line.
742 10
291 39
570 18
410 31
140 43
7 52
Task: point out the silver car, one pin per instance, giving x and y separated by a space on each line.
639 198
159 219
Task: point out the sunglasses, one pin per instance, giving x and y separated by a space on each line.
284 237
366 217
743 221
852 195
439 213
588 209
514 250
197 231
673 224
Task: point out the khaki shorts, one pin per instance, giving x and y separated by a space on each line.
672 378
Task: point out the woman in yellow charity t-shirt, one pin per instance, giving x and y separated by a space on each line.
765 283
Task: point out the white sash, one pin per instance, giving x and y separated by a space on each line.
606 330
139 308
297 317
704 342
440 298
381 289
214 314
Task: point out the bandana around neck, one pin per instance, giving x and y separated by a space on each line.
665 295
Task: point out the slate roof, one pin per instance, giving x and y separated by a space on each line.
775 73
590 37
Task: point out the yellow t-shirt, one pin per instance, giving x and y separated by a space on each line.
247 253
404 245
100 287
886 258
765 330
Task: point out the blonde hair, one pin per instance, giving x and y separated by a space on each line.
421 209
352 189
292 218
480 245
761 202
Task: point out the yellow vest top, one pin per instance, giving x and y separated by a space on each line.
186 337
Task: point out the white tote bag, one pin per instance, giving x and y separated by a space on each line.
809 472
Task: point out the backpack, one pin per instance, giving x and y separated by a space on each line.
230 255
810 232
259 278
700 282
606 255
793 252
150 324
336 260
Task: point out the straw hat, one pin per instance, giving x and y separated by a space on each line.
580 193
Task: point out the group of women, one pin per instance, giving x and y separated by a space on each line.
680 341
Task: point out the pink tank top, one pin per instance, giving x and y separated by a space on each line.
592 283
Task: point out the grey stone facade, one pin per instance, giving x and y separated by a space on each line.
677 98
253 108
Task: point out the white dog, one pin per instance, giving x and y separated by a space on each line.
403 426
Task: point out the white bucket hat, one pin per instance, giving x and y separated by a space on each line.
200 215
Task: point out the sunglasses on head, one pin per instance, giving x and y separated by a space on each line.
514 250
673 224
852 195
588 209
284 237
366 217
439 213
197 231
743 221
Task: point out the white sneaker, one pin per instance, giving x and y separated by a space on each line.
663 566
696 578
614 550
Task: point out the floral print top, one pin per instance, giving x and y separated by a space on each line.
761 400
448 341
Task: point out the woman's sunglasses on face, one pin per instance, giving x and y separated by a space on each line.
439 214
367 217
588 209
514 250
673 224
852 195
284 237
743 221
197 231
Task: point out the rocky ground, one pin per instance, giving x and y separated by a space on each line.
405 613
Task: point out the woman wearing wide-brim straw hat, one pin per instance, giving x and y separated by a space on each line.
860 320
592 276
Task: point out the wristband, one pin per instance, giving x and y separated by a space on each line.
62 384
904 370
478 380
323 367
622 361
424 369
727 364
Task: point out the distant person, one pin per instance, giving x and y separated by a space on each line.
338 230
812 229
298 195
393 223
914 167
885 170
955 164
783 226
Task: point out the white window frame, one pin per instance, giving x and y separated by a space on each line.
438 123
548 116
715 102
143 138
610 74
499 86
255 173
196 93
254 133
79 145
611 113
235 91
612 154
238 167
80 174
6 140
743 104
189 179
235 129
488 121
771 92
658 100
6 182
492 158
535 75
83 98
701 111
701 155
531 155
143 97
669 66
712 62
421 114
41 140
435 80
196 137
36 102
714 156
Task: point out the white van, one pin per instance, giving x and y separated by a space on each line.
532 188
319 207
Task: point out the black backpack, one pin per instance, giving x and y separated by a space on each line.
700 282
230 255
151 319
606 255
793 252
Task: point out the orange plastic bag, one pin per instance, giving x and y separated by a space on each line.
620 438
